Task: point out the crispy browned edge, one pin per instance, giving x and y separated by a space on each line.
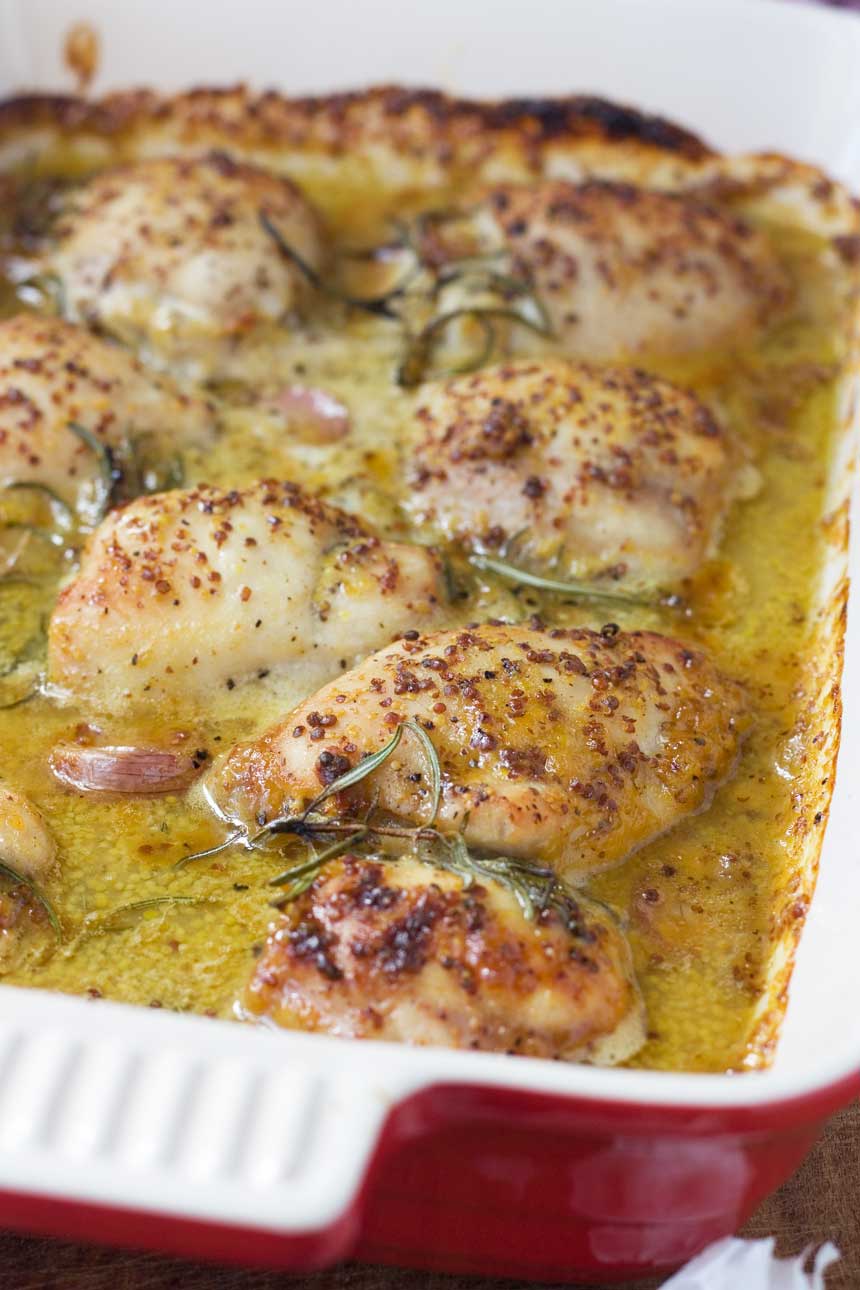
527 134
422 117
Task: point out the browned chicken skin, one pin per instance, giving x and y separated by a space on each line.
595 469
183 592
403 951
169 253
572 746
54 375
622 270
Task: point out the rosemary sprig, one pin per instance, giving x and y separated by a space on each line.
536 888
304 826
124 468
109 475
21 879
580 590
354 775
240 836
479 272
413 366
107 922
418 354
380 306
303 875
56 502
432 758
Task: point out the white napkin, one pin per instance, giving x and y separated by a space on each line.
733 1264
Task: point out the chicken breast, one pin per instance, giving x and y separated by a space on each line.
599 471
181 593
55 378
623 271
572 746
403 951
171 254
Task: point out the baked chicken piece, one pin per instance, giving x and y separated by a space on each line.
170 254
570 746
57 380
622 270
595 470
26 843
182 593
28 853
404 951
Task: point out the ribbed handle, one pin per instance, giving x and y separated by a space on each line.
149 1111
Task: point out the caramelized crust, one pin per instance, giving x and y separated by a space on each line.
402 138
599 470
402 951
411 119
51 374
571 746
182 593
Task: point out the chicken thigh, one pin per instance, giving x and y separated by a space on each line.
171 254
66 397
568 745
621 270
406 952
596 471
182 593
26 843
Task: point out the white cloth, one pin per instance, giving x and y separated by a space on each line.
733 1264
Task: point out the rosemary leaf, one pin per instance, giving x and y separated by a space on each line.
582 590
21 879
419 352
378 305
432 758
107 469
352 776
301 876
106 922
65 511
239 836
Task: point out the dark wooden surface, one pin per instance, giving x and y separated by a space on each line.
822 1200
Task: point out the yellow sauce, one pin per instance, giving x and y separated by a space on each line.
697 903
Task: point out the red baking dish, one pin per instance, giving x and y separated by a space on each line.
225 1142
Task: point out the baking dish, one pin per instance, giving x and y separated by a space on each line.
184 1134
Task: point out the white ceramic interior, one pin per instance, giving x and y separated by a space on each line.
149 1102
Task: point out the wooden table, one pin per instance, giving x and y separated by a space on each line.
822 1200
